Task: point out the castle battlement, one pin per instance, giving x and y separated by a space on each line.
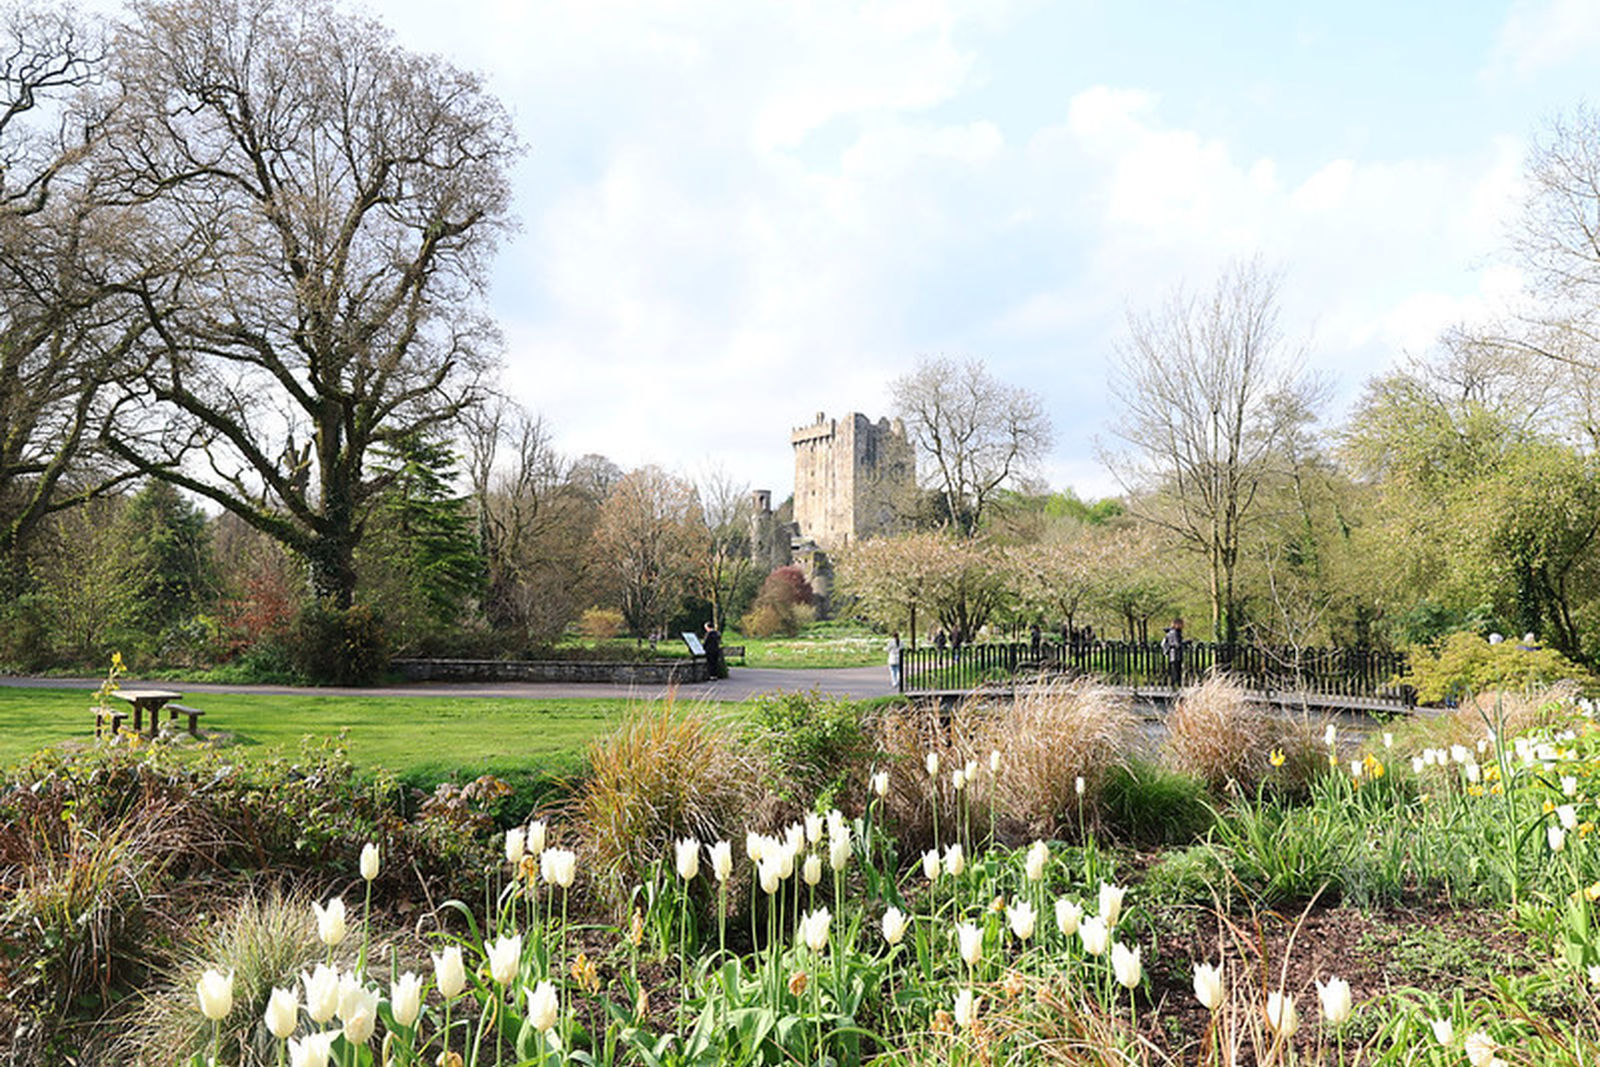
851 474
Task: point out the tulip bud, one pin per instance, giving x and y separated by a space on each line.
880 783
994 761
369 861
1078 785
1068 915
839 849
932 763
215 991
930 864
812 871
536 837
958 779
769 871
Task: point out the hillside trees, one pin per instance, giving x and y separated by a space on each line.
328 202
977 436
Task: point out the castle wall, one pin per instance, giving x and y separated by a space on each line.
849 474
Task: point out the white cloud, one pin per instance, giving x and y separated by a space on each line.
1541 34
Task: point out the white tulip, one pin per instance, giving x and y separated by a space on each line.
330 921
405 999
930 865
1281 1015
543 1007
812 871
1480 1049
1094 934
1038 856
537 831
814 929
813 827
958 779
1335 999
994 761
955 861
1021 919
838 846
688 858
322 992
966 1008
283 1013
1568 814
215 991
1125 965
880 783
313 1051
1078 785
559 866
1444 1031
1111 903
894 926
1068 915
358 1010
449 973
369 861
932 763
969 941
1208 988
505 958
768 871
722 860
1557 838
755 846
516 845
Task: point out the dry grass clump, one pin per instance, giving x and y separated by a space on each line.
1217 734
1049 736
666 773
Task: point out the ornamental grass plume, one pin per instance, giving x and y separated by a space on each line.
666 773
1217 734
1050 735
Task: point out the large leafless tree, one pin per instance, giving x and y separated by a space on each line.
65 327
976 435
1208 388
329 202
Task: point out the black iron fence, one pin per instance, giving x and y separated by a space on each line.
1353 672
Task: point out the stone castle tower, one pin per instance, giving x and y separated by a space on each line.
850 475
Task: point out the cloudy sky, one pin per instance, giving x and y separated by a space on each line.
737 213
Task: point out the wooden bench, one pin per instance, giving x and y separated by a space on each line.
174 710
113 717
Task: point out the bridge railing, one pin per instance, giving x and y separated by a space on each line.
1353 672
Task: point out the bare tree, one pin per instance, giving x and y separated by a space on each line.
332 200
977 435
725 507
649 541
1208 389
64 331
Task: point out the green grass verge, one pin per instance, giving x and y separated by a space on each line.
421 739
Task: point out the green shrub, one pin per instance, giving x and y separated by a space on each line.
1466 664
1151 805
333 646
817 745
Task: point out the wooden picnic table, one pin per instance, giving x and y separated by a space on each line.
151 700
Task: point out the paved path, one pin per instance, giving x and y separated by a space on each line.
742 684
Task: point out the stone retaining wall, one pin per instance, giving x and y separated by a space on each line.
661 672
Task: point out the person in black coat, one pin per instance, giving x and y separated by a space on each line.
716 666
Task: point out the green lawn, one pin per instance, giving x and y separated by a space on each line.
414 737
823 644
